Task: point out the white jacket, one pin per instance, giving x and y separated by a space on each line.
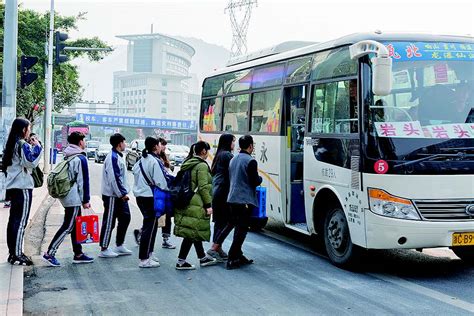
154 173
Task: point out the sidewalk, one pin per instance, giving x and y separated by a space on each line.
11 277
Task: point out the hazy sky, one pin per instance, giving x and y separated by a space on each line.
273 21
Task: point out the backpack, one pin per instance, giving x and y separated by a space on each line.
59 184
181 189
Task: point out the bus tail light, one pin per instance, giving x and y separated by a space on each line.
385 204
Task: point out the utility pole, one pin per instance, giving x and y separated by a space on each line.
240 24
10 44
49 94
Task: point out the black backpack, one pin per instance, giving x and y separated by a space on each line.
181 190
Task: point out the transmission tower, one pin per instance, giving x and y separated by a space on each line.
240 12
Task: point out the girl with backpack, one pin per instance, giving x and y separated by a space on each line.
19 160
193 221
220 191
148 170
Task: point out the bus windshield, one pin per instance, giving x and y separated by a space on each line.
431 106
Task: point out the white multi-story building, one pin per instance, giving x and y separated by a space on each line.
157 82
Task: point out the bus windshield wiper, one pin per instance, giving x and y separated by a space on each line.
456 148
460 155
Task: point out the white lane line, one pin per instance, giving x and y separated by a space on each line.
453 301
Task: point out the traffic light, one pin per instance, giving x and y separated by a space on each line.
26 77
59 46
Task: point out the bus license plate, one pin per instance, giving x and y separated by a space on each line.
463 239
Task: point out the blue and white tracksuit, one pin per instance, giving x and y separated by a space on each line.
79 194
19 185
114 187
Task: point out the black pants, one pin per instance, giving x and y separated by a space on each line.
240 220
19 214
68 227
220 232
166 230
114 209
186 247
149 227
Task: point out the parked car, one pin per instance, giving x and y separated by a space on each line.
102 152
135 153
177 153
91 147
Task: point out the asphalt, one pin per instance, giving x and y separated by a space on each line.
290 276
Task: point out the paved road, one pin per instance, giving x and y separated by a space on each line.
289 276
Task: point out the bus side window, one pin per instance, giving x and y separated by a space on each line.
334 108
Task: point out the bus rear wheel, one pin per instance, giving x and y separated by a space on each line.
337 239
466 253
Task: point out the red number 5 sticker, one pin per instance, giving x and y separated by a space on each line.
381 167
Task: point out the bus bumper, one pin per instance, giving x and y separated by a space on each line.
390 233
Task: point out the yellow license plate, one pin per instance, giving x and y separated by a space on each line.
463 239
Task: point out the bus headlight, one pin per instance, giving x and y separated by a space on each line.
384 204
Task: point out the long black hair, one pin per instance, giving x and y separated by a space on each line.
225 144
162 155
150 143
196 148
17 132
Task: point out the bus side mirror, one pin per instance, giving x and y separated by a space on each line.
381 65
381 76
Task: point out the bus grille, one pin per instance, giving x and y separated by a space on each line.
444 210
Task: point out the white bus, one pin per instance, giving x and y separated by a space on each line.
367 140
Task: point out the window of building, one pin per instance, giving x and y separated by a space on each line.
164 93
333 63
211 114
164 110
144 91
334 108
164 101
164 82
236 113
266 111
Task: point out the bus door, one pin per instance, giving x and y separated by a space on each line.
295 105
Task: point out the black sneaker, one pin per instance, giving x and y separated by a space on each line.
185 266
10 259
232 264
137 234
207 261
244 260
21 260
82 259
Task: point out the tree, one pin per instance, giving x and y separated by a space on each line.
33 31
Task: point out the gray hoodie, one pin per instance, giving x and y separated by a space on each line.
154 173
25 159
79 173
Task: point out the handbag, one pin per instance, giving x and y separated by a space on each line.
159 195
38 177
87 229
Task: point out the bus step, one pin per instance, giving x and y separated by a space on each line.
300 227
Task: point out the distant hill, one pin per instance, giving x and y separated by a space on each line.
97 78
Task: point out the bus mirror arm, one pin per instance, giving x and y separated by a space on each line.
381 65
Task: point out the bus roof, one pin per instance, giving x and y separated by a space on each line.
342 41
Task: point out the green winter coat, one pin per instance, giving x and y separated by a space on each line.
193 221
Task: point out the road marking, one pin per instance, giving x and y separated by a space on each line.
447 299
454 301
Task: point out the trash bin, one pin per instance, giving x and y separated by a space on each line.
53 153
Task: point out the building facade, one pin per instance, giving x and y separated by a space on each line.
157 82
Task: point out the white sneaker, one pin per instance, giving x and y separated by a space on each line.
107 253
148 263
122 251
154 258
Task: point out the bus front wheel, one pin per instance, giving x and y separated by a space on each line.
466 253
337 239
